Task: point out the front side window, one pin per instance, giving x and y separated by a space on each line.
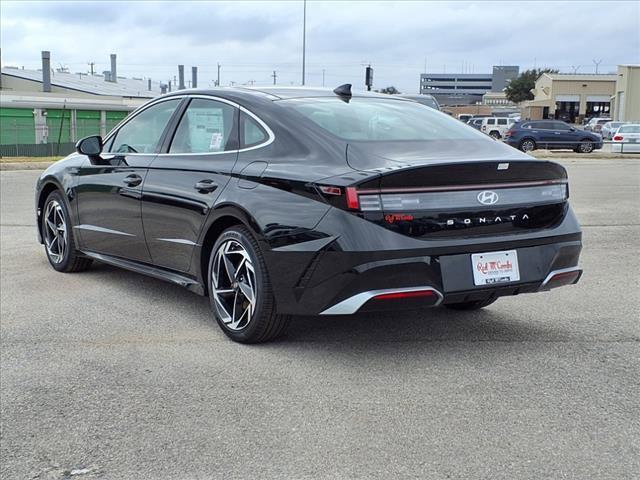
491 121
142 133
373 119
207 126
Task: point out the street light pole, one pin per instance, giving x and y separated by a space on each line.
304 37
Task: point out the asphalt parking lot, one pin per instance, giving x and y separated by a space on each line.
109 374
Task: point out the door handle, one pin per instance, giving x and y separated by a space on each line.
205 186
132 180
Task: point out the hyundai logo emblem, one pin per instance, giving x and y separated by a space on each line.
488 197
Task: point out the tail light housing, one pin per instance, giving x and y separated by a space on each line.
618 138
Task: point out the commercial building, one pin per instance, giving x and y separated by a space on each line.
44 112
570 97
466 88
625 103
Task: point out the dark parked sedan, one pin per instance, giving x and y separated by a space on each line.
551 135
278 202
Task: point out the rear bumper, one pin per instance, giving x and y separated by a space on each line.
346 272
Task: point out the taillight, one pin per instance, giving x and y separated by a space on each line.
508 133
618 138
352 198
329 190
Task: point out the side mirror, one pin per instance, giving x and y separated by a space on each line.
90 146
572 129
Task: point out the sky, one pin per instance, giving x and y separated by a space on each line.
252 39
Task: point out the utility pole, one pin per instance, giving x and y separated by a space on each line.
91 65
218 81
323 77
304 38
597 64
274 77
575 68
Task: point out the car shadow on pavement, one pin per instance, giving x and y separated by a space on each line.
492 324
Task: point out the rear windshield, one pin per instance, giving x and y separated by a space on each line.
629 129
368 119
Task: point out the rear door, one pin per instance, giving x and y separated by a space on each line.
109 188
566 137
185 180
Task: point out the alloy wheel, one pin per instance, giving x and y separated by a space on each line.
527 146
586 147
55 231
234 285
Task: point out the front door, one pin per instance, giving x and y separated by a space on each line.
183 184
110 188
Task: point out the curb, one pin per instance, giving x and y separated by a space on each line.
25 165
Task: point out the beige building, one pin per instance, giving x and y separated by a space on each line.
625 104
570 97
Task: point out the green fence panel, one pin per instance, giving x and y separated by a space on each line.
87 123
59 125
17 126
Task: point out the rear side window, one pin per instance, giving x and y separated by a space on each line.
142 133
379 120
502 121
251 132
207 126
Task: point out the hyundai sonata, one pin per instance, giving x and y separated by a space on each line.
283 201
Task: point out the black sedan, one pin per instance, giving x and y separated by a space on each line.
284 201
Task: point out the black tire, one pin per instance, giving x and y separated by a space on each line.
585 146
70 261
263 323
474 305
527 145
495 134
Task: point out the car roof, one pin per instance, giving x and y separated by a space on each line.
277 93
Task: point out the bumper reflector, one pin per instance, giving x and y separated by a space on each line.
400 295
352 304
560 278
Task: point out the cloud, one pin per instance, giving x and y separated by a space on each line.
251 39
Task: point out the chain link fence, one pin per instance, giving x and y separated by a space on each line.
21 137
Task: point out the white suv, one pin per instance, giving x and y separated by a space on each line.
496 126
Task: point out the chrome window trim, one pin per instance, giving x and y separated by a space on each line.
352 304
270 135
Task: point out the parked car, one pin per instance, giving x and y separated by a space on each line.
424 99
280 201
595 124
551 135
609 128
464 117
496 127
627 139
475 122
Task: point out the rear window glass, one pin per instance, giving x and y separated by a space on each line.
369 119
629 129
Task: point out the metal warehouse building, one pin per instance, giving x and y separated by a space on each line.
44 112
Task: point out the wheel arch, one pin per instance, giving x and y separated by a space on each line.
221 219
49 185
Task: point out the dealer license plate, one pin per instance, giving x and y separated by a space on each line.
495 267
